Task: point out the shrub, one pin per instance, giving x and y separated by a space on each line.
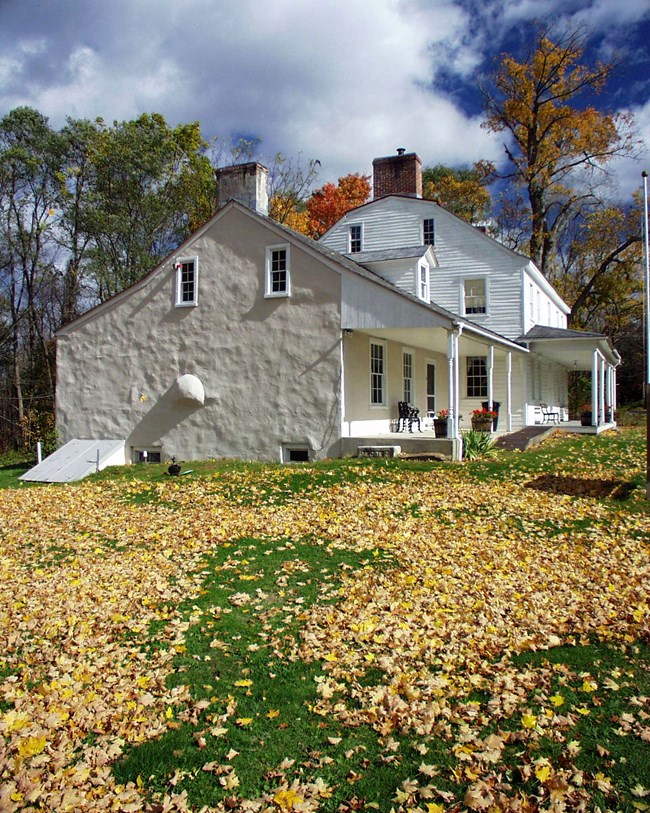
477 444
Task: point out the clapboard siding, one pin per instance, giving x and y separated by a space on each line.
462 252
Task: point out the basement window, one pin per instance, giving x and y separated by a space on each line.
148 455
294 453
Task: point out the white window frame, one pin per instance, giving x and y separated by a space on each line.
468 361
178 265
463 294
433 229
355 226
287 448
269 293
381 374
146 454
408 375
423 284
430 395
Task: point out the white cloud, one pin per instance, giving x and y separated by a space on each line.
339 80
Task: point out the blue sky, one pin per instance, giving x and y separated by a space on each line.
342 81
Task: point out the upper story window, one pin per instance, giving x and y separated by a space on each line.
355 238
423 282
278 280
428 232
187 281
475 296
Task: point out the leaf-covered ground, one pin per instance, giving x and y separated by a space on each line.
353 637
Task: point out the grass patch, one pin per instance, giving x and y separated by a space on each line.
605 690
11 467
253 722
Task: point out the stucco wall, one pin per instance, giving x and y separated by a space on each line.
270 367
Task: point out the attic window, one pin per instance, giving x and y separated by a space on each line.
278 281
423 282
356 238
187 269
428 232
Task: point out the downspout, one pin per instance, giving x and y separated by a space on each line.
450 385
344 433
509 388
602 393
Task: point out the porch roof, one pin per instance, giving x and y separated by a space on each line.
572 349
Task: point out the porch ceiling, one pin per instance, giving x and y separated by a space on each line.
574 354
433 339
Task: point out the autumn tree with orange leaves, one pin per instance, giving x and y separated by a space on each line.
558 144
329 203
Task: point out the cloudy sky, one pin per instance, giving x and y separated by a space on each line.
342 81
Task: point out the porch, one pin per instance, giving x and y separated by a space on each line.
426 444
423 443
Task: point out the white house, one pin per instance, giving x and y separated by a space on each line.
253 341
431 254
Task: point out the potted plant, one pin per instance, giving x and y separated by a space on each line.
440 423
585 415
482 419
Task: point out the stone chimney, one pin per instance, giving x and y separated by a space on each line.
399 174
246 183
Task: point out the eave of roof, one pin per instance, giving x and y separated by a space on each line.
334 258
383 255
547 332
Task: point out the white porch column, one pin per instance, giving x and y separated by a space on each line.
601 392
457 382
451 432
509 389
594 389
608 390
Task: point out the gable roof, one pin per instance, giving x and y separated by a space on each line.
333 259
476 232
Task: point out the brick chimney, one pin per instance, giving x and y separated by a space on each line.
399 174
246 183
